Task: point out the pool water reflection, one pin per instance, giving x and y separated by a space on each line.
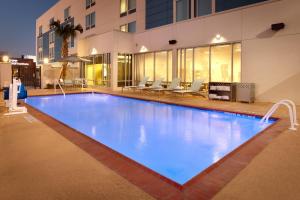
175 141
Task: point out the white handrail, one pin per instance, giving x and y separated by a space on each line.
62 90
292 112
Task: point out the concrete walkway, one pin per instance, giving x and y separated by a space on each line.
38 163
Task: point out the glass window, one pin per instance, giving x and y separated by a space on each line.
221 63
51 20
203 7
40 30
67 13
90 21
161 60
222 5
124 28
140 63
189 65
154 68
201 63
98 72
90 3
51 37
183 10
131 4
132 27
93 19
124 70
170 66
123 6
149 66
237 62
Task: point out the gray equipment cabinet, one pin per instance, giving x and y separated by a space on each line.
245 92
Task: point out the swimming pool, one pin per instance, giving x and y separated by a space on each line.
177 142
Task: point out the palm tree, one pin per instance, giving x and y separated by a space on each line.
65 32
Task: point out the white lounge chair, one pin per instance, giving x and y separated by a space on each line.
174 84
140 85
156 85
194 89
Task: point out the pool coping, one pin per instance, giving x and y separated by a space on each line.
203 186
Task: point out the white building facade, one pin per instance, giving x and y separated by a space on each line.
214 40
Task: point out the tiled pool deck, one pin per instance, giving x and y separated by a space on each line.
245 184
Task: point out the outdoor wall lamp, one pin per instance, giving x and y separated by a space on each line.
5 59
46 60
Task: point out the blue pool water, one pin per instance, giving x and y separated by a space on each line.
175 141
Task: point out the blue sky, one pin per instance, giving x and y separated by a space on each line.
17 22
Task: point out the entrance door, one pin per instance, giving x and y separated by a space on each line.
98 71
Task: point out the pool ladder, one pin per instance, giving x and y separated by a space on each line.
292 113
62 90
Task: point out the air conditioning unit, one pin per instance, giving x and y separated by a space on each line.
245 92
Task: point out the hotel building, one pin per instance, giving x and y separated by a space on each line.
214 40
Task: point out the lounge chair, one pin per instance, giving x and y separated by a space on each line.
140 85
80 82
194 89
156 85
175 84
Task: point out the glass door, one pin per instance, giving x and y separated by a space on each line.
125 70
98 71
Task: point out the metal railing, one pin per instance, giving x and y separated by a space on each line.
292 113
58 83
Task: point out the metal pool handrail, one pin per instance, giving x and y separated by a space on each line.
62 90
292 112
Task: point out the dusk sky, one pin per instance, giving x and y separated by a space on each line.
17 19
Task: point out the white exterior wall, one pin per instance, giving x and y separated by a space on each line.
269 59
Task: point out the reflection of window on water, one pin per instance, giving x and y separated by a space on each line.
220 63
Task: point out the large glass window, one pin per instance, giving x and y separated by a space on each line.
220 63
161 62
183 10
67 13
127 6
221 66
98 71
124 70
154 65
170 66
201 63
90 21
189 65
203 7
149 66
222 5
237 62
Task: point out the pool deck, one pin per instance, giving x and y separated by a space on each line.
31 167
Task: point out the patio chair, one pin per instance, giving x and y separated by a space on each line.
140 85
156 85
175 84
194 89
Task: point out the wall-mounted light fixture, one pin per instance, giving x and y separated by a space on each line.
143 49
218 39
94 51
46 61
5 59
